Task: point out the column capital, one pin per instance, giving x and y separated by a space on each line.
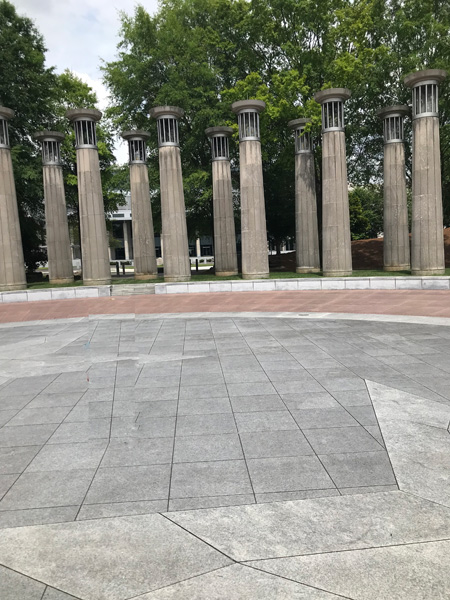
49 136
51 143
5 115
332 95
393 119
84 120
248 118
159 112
248 105
220 141
303 142
219 131
135 134
426 76
332 101
136 145
396 110
83 114
425 95
167 121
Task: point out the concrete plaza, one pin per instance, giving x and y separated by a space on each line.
224 456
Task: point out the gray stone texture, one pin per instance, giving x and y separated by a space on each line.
427 232
411 572
238 582
225 255
12 267
143 235
336 239
427 243
144 254
306 228
118 559
177 266
175 246
94 237
396 252
59 251
255 256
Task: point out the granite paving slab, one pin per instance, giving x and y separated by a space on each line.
318 525
235 583
108 559
405 572
416 433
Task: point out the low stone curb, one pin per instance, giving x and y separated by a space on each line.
261 285
322 283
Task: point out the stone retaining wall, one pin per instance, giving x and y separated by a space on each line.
263 285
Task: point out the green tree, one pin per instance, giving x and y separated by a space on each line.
40 98
26 86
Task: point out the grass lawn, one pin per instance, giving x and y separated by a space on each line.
209 277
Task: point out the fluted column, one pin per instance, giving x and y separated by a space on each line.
396 253
225 255
336 237
306 228
94 237
427 230
12 266
255 255
177 266
59 252
141 209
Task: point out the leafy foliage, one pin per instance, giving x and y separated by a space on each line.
40 98
204 54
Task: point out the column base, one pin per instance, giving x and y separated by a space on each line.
143 276
174 279
307 270
61 281
397 268
96 281
13 287
226 273
337 273
425 272
255 275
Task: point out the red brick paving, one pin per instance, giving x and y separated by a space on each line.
431 303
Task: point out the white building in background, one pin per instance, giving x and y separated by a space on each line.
121 245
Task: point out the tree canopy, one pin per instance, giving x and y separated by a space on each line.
39 96
203 54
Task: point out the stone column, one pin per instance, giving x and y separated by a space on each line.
306 228
225 254
396 254
59 252
12 266
177 266
255 255
94 237
141 209
427 231
336 239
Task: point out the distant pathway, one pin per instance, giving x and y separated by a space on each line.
430 303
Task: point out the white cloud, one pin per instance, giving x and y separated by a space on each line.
78 34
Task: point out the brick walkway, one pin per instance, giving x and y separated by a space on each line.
431 303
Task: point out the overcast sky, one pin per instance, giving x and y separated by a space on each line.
78 34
